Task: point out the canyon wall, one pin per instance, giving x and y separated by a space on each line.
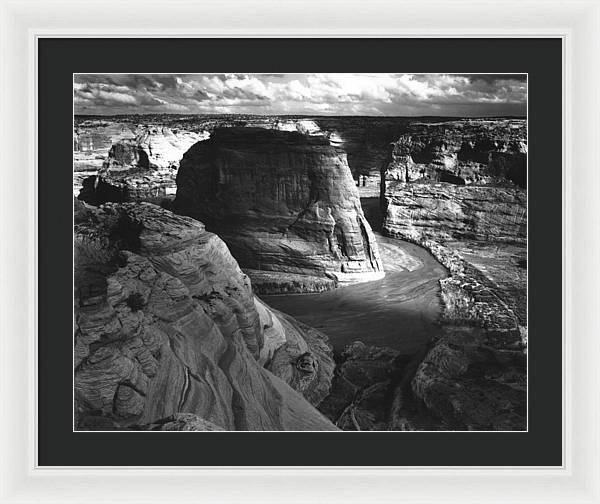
140 166
444 182
366 141
469 151
286 205
458 189
446 212
427 148
167 324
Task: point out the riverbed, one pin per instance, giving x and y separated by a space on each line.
399 311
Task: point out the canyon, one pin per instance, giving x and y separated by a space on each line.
365 140
458 190
300 273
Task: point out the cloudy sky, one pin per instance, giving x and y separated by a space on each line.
311 94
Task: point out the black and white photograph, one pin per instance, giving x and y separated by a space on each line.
300 252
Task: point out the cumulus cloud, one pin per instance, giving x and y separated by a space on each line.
295 94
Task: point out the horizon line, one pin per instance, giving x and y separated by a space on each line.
301 115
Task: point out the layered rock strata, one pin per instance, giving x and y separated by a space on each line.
445 212
474 377
459 188
142 168
437 147
474 151
285 203
166 323
366 141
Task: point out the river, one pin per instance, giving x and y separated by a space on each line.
399 311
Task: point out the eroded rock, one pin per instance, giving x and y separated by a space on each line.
285 203
469 151
371 391
142 168
166 323
457 189
475 375
446 212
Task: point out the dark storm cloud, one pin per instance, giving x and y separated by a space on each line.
494 78
201 95
313 94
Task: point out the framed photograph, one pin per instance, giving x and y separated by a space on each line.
300 253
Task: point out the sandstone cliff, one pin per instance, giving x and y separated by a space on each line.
471 151
445 212
480 149
142 168
366 141
458 189
285 203
166 323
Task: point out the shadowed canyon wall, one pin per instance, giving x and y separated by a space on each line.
286 205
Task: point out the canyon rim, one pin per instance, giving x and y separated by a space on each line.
300 252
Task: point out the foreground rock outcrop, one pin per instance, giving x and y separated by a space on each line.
371 391
166 323
286 205
475 375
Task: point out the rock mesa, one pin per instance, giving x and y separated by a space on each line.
286 205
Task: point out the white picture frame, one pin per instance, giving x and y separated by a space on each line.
577 23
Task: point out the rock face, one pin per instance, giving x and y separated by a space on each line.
371 391
446 212
458 189
285 203
166 323
445 182
366 140
131 185
460 152
142 168
93 138
475 375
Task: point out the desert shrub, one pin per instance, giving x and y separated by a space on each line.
135 301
